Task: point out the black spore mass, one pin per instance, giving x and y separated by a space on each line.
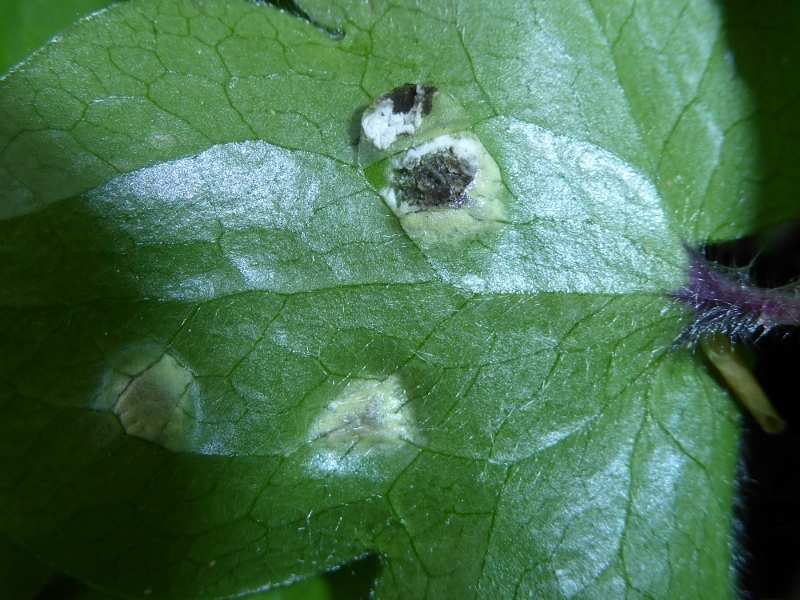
405 97
439 180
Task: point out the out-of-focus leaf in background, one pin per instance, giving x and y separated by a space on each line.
25 25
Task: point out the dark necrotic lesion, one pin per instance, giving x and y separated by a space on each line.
406 96
439 180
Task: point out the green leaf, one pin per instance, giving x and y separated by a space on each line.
766 46
21 575
27 24
228 364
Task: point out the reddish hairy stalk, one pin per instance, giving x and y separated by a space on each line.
728 308
724 301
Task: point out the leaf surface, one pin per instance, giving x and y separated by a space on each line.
226 364
21 575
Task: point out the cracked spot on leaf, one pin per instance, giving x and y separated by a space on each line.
445 191
366 418
152 395
436 175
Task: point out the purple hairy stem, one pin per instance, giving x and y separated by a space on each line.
725 301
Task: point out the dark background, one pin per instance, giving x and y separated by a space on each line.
765 41
769 478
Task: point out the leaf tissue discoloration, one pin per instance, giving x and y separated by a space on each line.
446 191
367 418
152 396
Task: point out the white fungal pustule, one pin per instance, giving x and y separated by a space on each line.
398 113
152 395
368 417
